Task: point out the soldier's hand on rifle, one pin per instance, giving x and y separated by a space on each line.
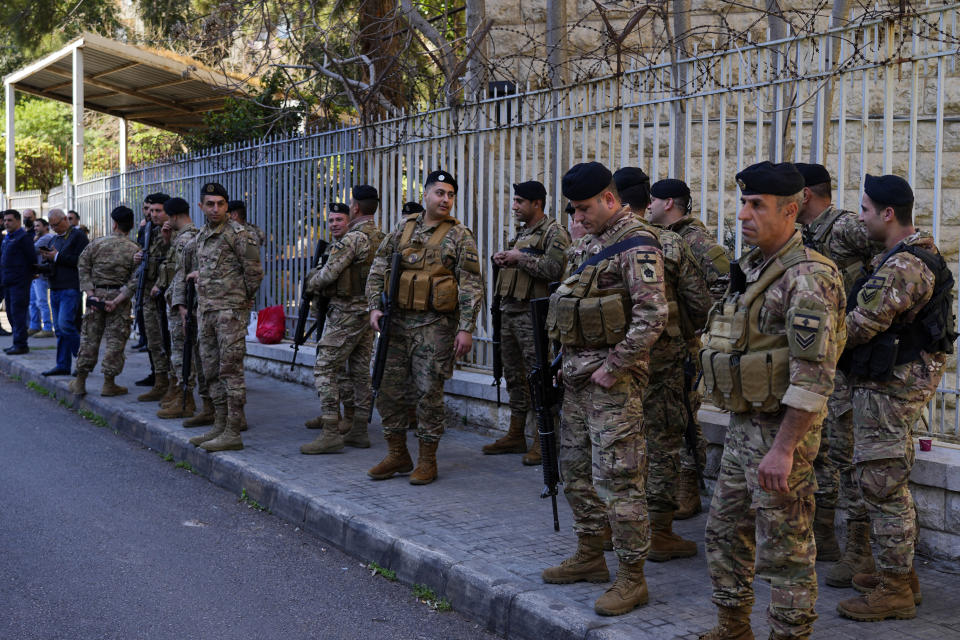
462 343
193 275
138 257
375 316
603 378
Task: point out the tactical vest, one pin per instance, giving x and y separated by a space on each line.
930 331
582 314
744 369
715 254
678 320
353 280
425 284
815 236
517 284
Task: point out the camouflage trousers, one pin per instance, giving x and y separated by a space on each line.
419 360
222 348
664 419
884 454
752 531
154 333
519 357
687 461
603 461
178 339
112 328
834 464
345 347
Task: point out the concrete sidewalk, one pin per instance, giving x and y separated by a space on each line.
479 536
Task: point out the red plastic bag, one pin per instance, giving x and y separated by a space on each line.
271 325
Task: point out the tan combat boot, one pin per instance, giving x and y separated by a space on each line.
173 393
513 442
867 582
346 422
314 423
183 406
688 495
826 535
159 389
79 384
627 592
358 437
426 471
230 439
111 388
533 457
857 556
397 459
205 417
664 543
219 425
891 599
587 564
330 441
733 623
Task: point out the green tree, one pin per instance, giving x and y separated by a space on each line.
39 164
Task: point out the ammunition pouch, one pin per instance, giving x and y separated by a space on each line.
425 284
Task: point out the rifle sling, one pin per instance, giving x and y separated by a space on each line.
617 248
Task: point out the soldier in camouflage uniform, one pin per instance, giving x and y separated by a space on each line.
665 410
840 236
228 275
107 274
899 327
156 255
769 356
608 312
441 290
534 259
237 209
670 206
347 339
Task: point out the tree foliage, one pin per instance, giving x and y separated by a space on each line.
39 164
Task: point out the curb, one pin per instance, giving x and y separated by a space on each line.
483 593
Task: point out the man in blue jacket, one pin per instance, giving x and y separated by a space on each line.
64 253
16 269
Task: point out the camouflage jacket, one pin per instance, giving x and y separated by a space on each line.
712 257
357 244
228 261
840 236
638 270
458 252
896 292
257 232
168 265
549 266
182 261
107 263
156 255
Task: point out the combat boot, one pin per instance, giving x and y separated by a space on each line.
664 543
206 416
358 437
733 623
587 564
513 442
219 426
111 388
314 423
346 422
533 457
183 406
627 592
426 471
867 582
243 422
412 418
230 439
857 556
891 599
330 441
607 535
79 384
826 535
397 459
688 495
159 389
172 395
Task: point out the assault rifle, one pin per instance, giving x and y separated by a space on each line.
300 331
496 324
388 301
690 432
142 278
546 397
738 280
189 339
161 303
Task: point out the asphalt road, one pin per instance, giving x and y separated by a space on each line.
101 538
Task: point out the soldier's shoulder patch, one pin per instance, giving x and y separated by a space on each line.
807 331
646 266
871 292
338 244
471 261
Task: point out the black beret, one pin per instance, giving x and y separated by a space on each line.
441 176
156 198
122 214
630 177
176 206
365 192
410 208
585 180
530 190
766 178
339 207
813 173
888 190
236 205
213 189
670 188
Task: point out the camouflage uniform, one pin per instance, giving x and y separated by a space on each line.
176 293
884 413
228 261
799 300
421 344
257 232
156 256
106 267
603 456
347 339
